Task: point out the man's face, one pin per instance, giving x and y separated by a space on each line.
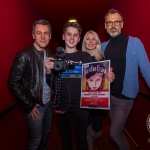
42 36
95 81
90 41
115 28
71 37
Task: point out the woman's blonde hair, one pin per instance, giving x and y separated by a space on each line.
97 51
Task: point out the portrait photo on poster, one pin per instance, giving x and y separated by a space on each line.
95 87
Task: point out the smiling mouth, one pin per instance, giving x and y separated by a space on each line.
113 30
71 42
43 41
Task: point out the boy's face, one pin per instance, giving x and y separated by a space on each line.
71 37
95 81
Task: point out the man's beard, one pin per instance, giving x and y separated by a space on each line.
114 34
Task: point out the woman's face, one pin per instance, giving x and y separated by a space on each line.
94 81
90 41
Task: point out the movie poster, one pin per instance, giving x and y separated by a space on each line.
95 87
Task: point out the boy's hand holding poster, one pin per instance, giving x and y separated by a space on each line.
95 87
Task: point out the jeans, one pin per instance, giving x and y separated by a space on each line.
119 112
80 119
39 128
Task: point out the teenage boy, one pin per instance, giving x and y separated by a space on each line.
71 90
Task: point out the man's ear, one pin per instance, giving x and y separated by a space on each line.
50 36
79 40
33 36
122 24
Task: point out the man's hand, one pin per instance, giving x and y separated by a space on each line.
110 75
49 64
34 113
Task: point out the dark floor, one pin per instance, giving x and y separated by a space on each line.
103 143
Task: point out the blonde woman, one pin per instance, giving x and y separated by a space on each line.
91 44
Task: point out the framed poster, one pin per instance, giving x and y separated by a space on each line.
95 87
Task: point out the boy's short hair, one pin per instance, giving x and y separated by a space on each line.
72 24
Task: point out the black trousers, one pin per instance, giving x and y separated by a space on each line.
96 117
79 118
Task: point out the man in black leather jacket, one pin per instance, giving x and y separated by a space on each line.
27 82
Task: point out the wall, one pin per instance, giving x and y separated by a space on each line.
136 23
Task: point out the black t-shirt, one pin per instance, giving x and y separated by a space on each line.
71 80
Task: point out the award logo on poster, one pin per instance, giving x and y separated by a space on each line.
95 87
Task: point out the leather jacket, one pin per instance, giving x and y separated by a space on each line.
25 80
